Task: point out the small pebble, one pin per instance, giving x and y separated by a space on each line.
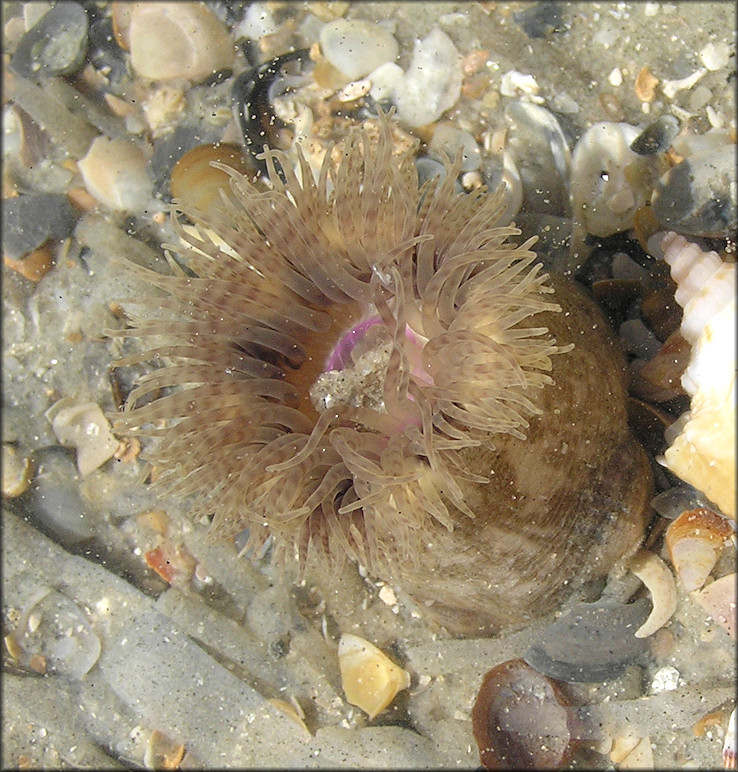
56 501
448 139
698 195
84 427
357 47
55 45
591 643
432 82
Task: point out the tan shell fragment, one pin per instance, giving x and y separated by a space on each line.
694 541
655 574
114 172
369 677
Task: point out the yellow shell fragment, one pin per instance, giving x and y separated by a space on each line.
370 679
17 471
655 574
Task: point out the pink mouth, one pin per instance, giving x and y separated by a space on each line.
340 357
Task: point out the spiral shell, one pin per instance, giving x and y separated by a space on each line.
702 452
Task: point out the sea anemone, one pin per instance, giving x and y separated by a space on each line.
346 362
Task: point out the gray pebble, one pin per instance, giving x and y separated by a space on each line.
29 221
55 45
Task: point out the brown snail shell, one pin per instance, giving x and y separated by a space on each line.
562 506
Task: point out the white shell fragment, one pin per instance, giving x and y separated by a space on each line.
608 180
114 172
655 574
702 452
369 677
357 47
718 599
85 428
178 40
432 82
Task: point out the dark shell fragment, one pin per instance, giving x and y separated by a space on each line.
29 221
592 643
253 94
55 45
657 136
521 719
698 195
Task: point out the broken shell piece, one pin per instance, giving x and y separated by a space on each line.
114 172
632 753
719 601
655 574
729 751
85 428
17 471
695 540
292 710
162 753
370 679
178 40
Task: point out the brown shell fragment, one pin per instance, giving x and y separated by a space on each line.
520 719
196 183
694 541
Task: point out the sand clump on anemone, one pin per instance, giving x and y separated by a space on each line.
370 370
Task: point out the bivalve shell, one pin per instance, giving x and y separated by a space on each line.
694 541
178 40
17 471
370 679
730 757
